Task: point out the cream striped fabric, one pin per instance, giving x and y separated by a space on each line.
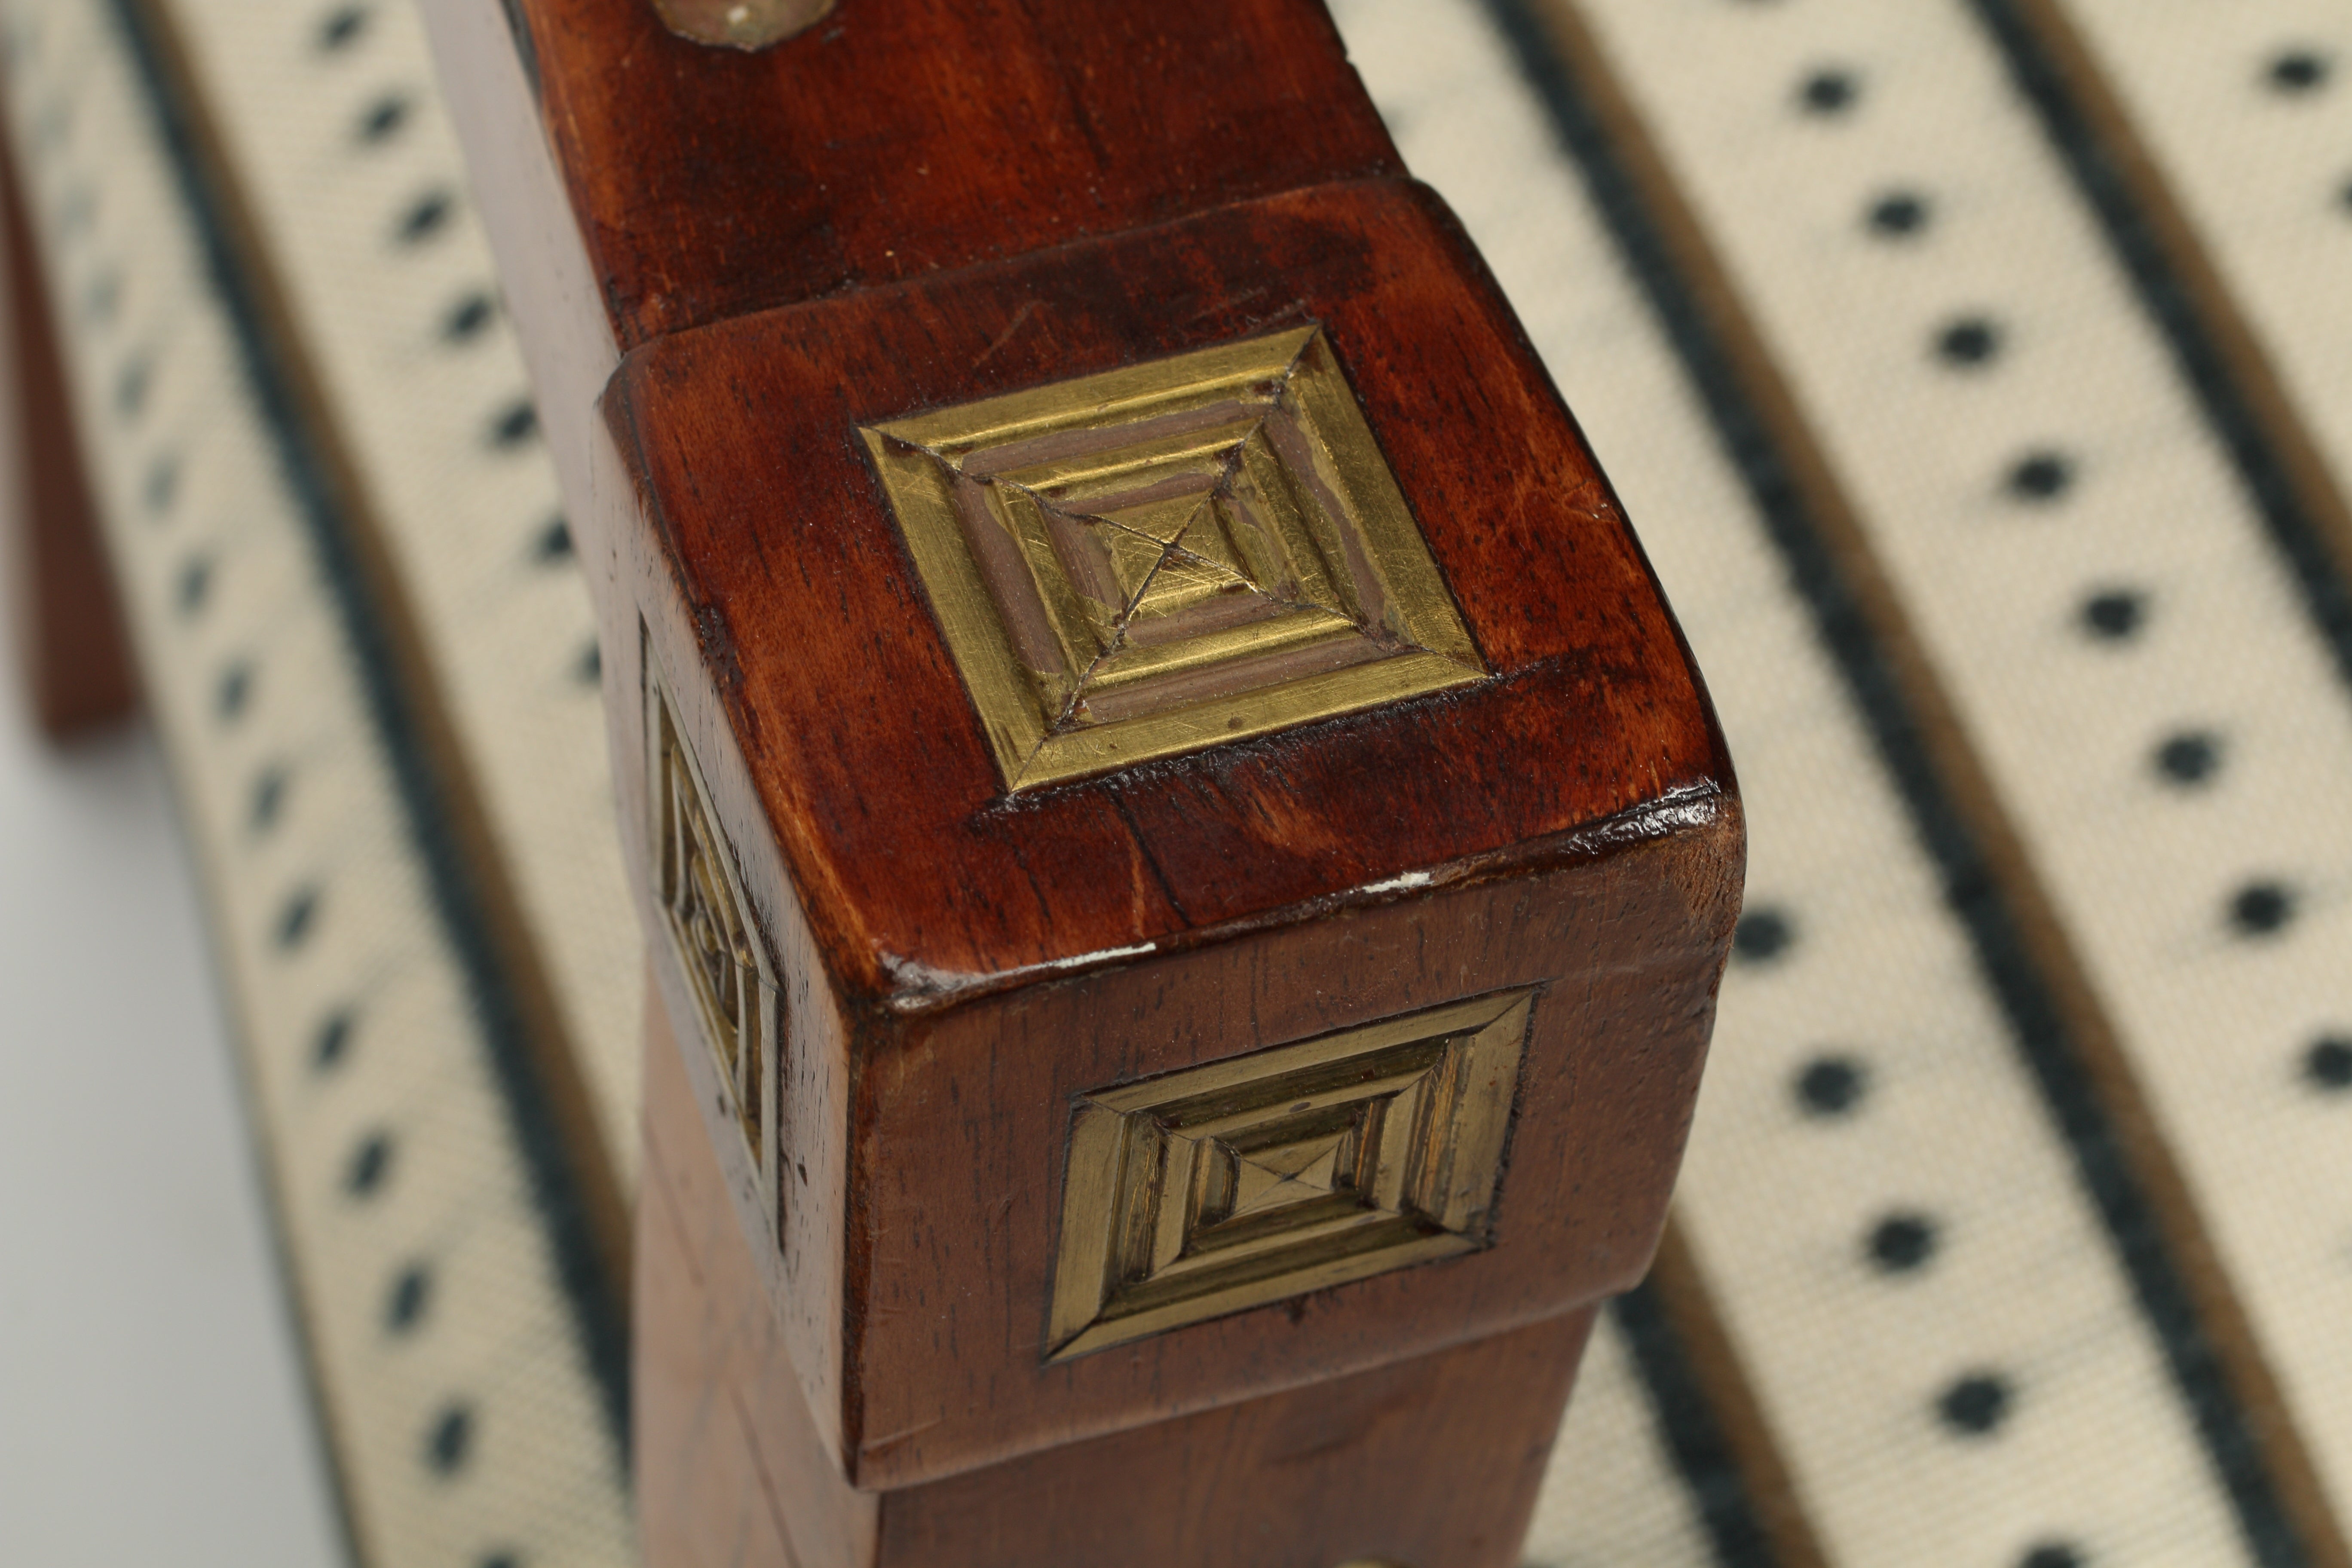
2243 112
1976 1212
1784 1204
396 302
2075 638
455 1379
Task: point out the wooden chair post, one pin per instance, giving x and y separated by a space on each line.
72 652
1186 860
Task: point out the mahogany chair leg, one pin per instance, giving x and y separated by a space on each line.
1436 1457
72 651
1187 860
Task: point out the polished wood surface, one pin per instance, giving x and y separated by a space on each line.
735 275
1357 1468
792 586
72 651
903 137
961 962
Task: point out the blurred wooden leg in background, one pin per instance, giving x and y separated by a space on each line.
68 624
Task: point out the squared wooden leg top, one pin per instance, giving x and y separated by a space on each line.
1428 1463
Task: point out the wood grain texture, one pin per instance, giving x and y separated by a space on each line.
903 137
908 1280
1432 1461
913 207
72 649
730 1460
958 1163
859 743
961 962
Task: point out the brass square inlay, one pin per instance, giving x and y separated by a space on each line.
707 919
1223 1187
1157 559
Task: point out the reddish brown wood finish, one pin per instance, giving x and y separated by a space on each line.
917 205
729 1460
1570 814
1354 1469
875 838
953 1213
860 741
901 137
72 651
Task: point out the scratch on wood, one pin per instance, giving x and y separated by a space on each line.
1028 307
1137 872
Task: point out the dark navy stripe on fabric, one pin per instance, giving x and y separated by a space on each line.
2015 976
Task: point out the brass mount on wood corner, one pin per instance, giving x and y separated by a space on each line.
1291 1169
1157 559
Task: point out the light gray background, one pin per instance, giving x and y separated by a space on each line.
153 1409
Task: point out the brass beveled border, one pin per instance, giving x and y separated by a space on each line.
1337 484
743 1050
1435 1090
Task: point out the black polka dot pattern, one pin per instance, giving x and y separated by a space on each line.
342 28
1969 341
162 487
554 542
451 1440
513 426
131 387
2051 1555
1902 1243
2191 757
371 1165
1762 935
1829 92
1975 1406
1899 215
404 1303
2113 615
2298 72
2328 1064
233 691
268 799
2261 908
383 118
467 317
295 919
425 217
2039 476
195 585
1830 1086
332 1042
